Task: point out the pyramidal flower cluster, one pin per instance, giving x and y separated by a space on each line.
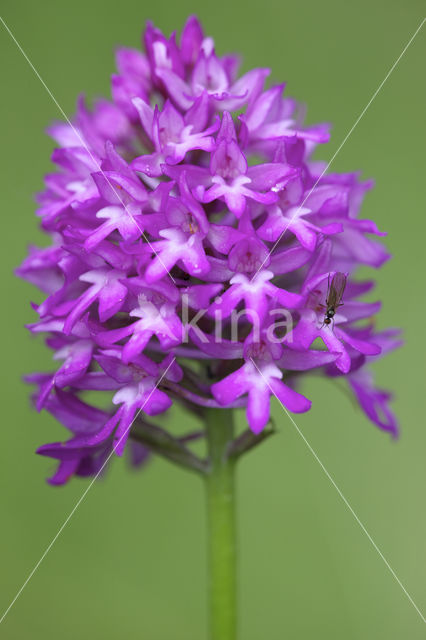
193 240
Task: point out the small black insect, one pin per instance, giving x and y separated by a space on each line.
334 295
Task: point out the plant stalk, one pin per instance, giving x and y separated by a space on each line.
220 486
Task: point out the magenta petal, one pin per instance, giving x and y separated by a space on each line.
192 37
231 387
258 407
267 176
293 401
363 346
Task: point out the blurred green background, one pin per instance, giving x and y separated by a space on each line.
131 562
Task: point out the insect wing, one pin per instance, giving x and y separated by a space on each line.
337 287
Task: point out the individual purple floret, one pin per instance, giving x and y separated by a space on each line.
193 240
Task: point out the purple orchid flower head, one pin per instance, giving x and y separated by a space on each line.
193 240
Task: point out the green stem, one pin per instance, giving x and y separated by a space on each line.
164 444
220 484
